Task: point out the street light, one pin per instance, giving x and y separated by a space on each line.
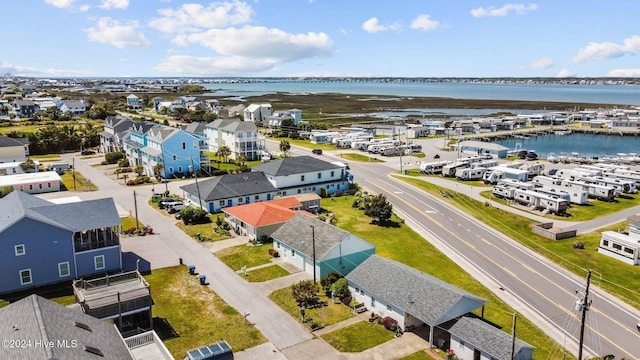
313 244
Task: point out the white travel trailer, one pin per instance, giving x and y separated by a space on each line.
554 204
577 173
487 164
449 170
511 173
503 191
470 173
433 167
595 191
534 169
621 186
516 184
492 176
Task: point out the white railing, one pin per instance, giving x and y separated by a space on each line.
149 338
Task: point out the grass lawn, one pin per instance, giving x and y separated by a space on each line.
45 158
266 273
244 255
196 313
129 222
307 144
81 183
327 315
420 355
61 293
404 245
207 231
614 276
358 337
360 157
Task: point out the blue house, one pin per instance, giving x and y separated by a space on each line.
43 243
178 151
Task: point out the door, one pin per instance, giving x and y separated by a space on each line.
229 202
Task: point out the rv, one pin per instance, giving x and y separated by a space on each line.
595 191
485 164
511 173
59 167
392 151
554 204
492 176
470 173
412 149
621 186
449 170
534 169
503 191
433 167
516 184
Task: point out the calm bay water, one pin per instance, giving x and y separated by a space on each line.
592 94
586 144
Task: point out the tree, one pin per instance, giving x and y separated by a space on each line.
285 147
138 169
378 208
28 165
305 293
341 287
157 169
223 153
328 280
240 159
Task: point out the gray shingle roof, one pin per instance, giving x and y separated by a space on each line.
232 125
37 319
229 186
76 216
6 141
487 338
294 165
298 234
429 299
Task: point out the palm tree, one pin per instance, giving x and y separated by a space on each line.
222 154
285 147
241 158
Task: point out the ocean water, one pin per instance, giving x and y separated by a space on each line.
585 144
590 94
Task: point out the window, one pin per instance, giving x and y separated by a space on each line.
174 157
361 292
49 185
299 191
30 187
319 175
63 269
39 186
617 246
195 144
221 203
278 245
388 307
373 302
98 261
357 290
25 277
605 242
20 249
179 169
628 250
301 177
293 253
257 197
239 200
184 145
332 173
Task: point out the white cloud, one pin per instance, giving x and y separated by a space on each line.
259 43
6 67
110 31
519 9
624 73
542 64
373 26
607 50
114 4
195 17
83 8
211 66
424 22
60 3
566 73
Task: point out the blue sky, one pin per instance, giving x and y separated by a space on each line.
412 38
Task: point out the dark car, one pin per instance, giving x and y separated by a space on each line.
87 152
317 151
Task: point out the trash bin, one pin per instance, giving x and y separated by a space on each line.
192 269
203 279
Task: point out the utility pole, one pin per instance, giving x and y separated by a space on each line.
73 172
195 173
313 244
513 338
584 306
135 206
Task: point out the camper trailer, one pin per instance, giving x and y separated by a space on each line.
534 169
503 191
392 151
492 176
621 186
554 204
433 167
449 170
470 173
595 191
511 173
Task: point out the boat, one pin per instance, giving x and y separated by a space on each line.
562 132
552 158
531 155
563 158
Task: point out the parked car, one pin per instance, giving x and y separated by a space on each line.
175 207
317 151
87 152
162 203
169 204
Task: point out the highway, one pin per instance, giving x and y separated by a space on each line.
533 285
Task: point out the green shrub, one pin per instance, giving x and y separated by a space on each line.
341 287
113 157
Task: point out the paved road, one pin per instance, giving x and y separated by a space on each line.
533 285
283 333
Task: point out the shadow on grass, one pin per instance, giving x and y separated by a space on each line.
386 223
164 330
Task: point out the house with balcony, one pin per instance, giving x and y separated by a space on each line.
275 120
13 149
175 150
305 174
115 129
241 137
257 112
74 107
74 335
24 108
44 243
122 299
133 102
